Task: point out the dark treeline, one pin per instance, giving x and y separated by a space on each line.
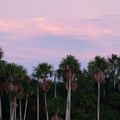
67 93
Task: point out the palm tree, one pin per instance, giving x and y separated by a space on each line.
2 73
56 106
15 73
114 68
68 70
27 91
42 72
99 77
1 53
2 80
97 68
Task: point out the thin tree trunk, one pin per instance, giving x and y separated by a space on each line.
68 107
55 93
66 117
37 102
26 103
114 81
0 108
70 102
46 109
98 102
12 112
15 110
20 109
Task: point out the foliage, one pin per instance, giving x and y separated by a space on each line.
84 99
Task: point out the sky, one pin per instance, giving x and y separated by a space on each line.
36 31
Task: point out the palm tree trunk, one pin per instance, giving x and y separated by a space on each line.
26 103
66 117
12 112
98 102
70 101
20 109
37 102
46 109
0 108
15 110
68 107
55 93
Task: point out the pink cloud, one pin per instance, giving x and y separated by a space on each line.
98 33
42 26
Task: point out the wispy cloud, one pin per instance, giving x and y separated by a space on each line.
79 28
28 41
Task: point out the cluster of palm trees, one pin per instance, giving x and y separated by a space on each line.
17 84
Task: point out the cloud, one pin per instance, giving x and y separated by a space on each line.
41 26
29 41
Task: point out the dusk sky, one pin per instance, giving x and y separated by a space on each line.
34 31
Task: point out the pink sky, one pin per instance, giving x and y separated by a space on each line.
33 31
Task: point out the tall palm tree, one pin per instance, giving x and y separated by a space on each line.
1 53
114 68
97 68
15 73
27 91
42 72
2 80
2 71
68 70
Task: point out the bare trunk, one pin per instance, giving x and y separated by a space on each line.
0 108
12 112
66 117
70 102
98 102
15 109
68 107
37 102
55 93
46 109
20 109
26 103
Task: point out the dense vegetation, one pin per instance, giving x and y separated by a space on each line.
68 93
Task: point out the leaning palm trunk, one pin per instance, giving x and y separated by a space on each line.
98 102
68 107
20 109
37 103
0 108
26 103
46 109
